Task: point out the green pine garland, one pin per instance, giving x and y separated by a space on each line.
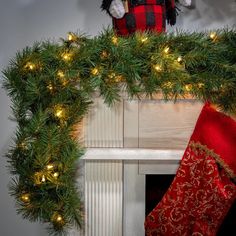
51 85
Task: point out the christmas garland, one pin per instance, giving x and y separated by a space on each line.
51 85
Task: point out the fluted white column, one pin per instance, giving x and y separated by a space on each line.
103 198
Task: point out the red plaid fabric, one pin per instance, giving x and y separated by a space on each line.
147 2
141 18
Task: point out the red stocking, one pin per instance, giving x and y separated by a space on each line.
203 189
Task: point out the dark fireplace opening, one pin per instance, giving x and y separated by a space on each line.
156 187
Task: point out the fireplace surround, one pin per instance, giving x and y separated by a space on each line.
125 143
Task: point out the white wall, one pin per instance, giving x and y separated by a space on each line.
24 21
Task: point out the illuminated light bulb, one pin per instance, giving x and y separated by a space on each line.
188 87
30 66
213 36
158 68
71 37
179 59
166 50
66 56
59 218
60 74
144 39
25 197
50 87
114 40
50 166
43 179
112 75
39 178
95 71
59 112
56 175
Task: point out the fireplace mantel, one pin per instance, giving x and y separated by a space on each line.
133 154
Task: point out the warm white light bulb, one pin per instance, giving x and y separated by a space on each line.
43 178
60 74
166 50
50 166
59 218
157 68
95 71
213 35
70 36
179 59
144 39
59 113
114 40
56 174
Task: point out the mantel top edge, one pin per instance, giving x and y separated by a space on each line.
132 154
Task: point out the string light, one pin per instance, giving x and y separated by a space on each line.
112 75
39 178
60 74
50 87
188 87
43 179
95 71
158 68
30 66
56 175
71 37
213 36
144 39
179 59
166 50
114 40
25 197
57 218
59 111
66 56
50 166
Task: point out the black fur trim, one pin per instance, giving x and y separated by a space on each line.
171 13
106 5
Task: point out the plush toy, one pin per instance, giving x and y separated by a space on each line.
186 3
130 16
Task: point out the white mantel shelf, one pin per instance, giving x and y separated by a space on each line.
132 154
